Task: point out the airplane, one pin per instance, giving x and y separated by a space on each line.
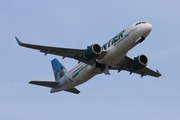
97 59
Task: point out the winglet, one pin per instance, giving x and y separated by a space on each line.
157 71
18 41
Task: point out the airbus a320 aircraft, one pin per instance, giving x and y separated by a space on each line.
97 59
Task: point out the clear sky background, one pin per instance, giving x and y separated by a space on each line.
77 24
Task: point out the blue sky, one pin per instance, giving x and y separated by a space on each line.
78 24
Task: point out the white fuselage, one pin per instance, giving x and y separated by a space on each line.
116 49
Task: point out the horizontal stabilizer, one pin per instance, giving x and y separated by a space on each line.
73 90
50 84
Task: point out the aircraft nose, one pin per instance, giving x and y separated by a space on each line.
147 29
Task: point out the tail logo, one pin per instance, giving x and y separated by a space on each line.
58 69
58 74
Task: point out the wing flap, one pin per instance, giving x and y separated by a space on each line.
50 84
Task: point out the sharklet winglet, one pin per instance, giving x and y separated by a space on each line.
18 41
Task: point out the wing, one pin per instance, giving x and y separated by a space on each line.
64 52
125 63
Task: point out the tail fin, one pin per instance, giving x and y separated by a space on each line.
58 69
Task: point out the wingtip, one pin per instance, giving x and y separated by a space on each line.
158 72
18 41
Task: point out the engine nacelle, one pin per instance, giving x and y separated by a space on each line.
92 52
139 62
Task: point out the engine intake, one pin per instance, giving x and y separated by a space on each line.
92 52
139 62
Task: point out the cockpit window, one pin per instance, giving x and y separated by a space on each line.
139 23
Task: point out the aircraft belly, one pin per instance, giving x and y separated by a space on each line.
116 53
83 77
76 77
110 56
124 46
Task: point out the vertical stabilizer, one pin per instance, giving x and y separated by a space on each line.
58 69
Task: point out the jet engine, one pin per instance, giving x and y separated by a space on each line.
92 52
138 63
